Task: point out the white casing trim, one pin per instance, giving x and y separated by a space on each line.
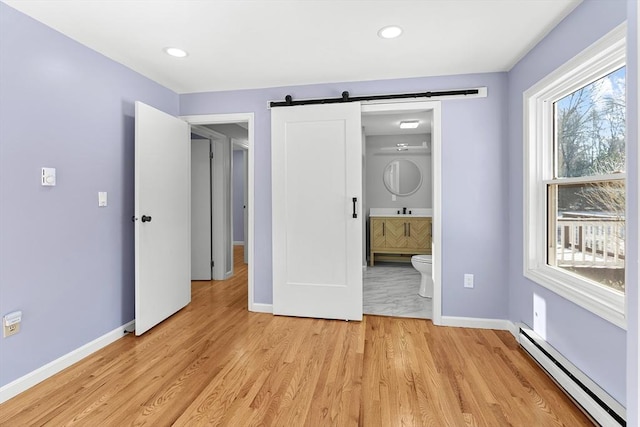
42 373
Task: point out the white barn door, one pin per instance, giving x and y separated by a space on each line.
316 155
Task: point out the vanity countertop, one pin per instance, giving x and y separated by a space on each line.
400 215
415 212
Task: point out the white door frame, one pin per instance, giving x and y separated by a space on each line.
436 155
245 203
241 144
209 119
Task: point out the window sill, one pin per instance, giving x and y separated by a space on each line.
606 303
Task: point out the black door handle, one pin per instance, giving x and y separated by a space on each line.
355 214
146 218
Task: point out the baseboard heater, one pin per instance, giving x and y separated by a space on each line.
590 397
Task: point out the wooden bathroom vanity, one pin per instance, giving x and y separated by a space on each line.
396 238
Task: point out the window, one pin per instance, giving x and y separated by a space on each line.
575 134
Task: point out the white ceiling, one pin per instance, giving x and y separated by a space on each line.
389 124
232 130
241 44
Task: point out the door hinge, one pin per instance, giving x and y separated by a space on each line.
211 155
212 263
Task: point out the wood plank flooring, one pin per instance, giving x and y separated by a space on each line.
214 363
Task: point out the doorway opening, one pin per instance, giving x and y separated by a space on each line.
222 153
400 221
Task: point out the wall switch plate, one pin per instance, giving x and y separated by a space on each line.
468 280
48 177
102 198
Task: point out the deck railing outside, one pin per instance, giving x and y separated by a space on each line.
592 242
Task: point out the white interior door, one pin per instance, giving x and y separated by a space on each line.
245 204
317 227
200 209
221 210
162 216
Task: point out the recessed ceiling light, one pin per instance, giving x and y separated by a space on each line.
390 32
409 124
175 52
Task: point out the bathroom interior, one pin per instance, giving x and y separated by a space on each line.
398 189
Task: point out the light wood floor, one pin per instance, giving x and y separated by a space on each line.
214 363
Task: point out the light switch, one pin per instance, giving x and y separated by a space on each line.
48 177
102 198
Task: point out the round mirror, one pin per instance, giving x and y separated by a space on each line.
402 177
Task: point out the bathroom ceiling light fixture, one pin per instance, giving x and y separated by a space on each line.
411 124
175 52
390 32
422 148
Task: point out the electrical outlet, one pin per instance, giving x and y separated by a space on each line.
468 280
7 331
11 323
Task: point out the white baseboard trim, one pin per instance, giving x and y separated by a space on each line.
478 323
34 377
261 308
515 331
461 322
238 243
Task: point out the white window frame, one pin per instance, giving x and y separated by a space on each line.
603 57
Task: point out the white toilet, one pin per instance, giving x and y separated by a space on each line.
422 263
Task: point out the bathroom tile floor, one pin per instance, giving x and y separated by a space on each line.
391 289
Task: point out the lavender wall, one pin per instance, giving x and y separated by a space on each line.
238 195
594 345
65 262
474 180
